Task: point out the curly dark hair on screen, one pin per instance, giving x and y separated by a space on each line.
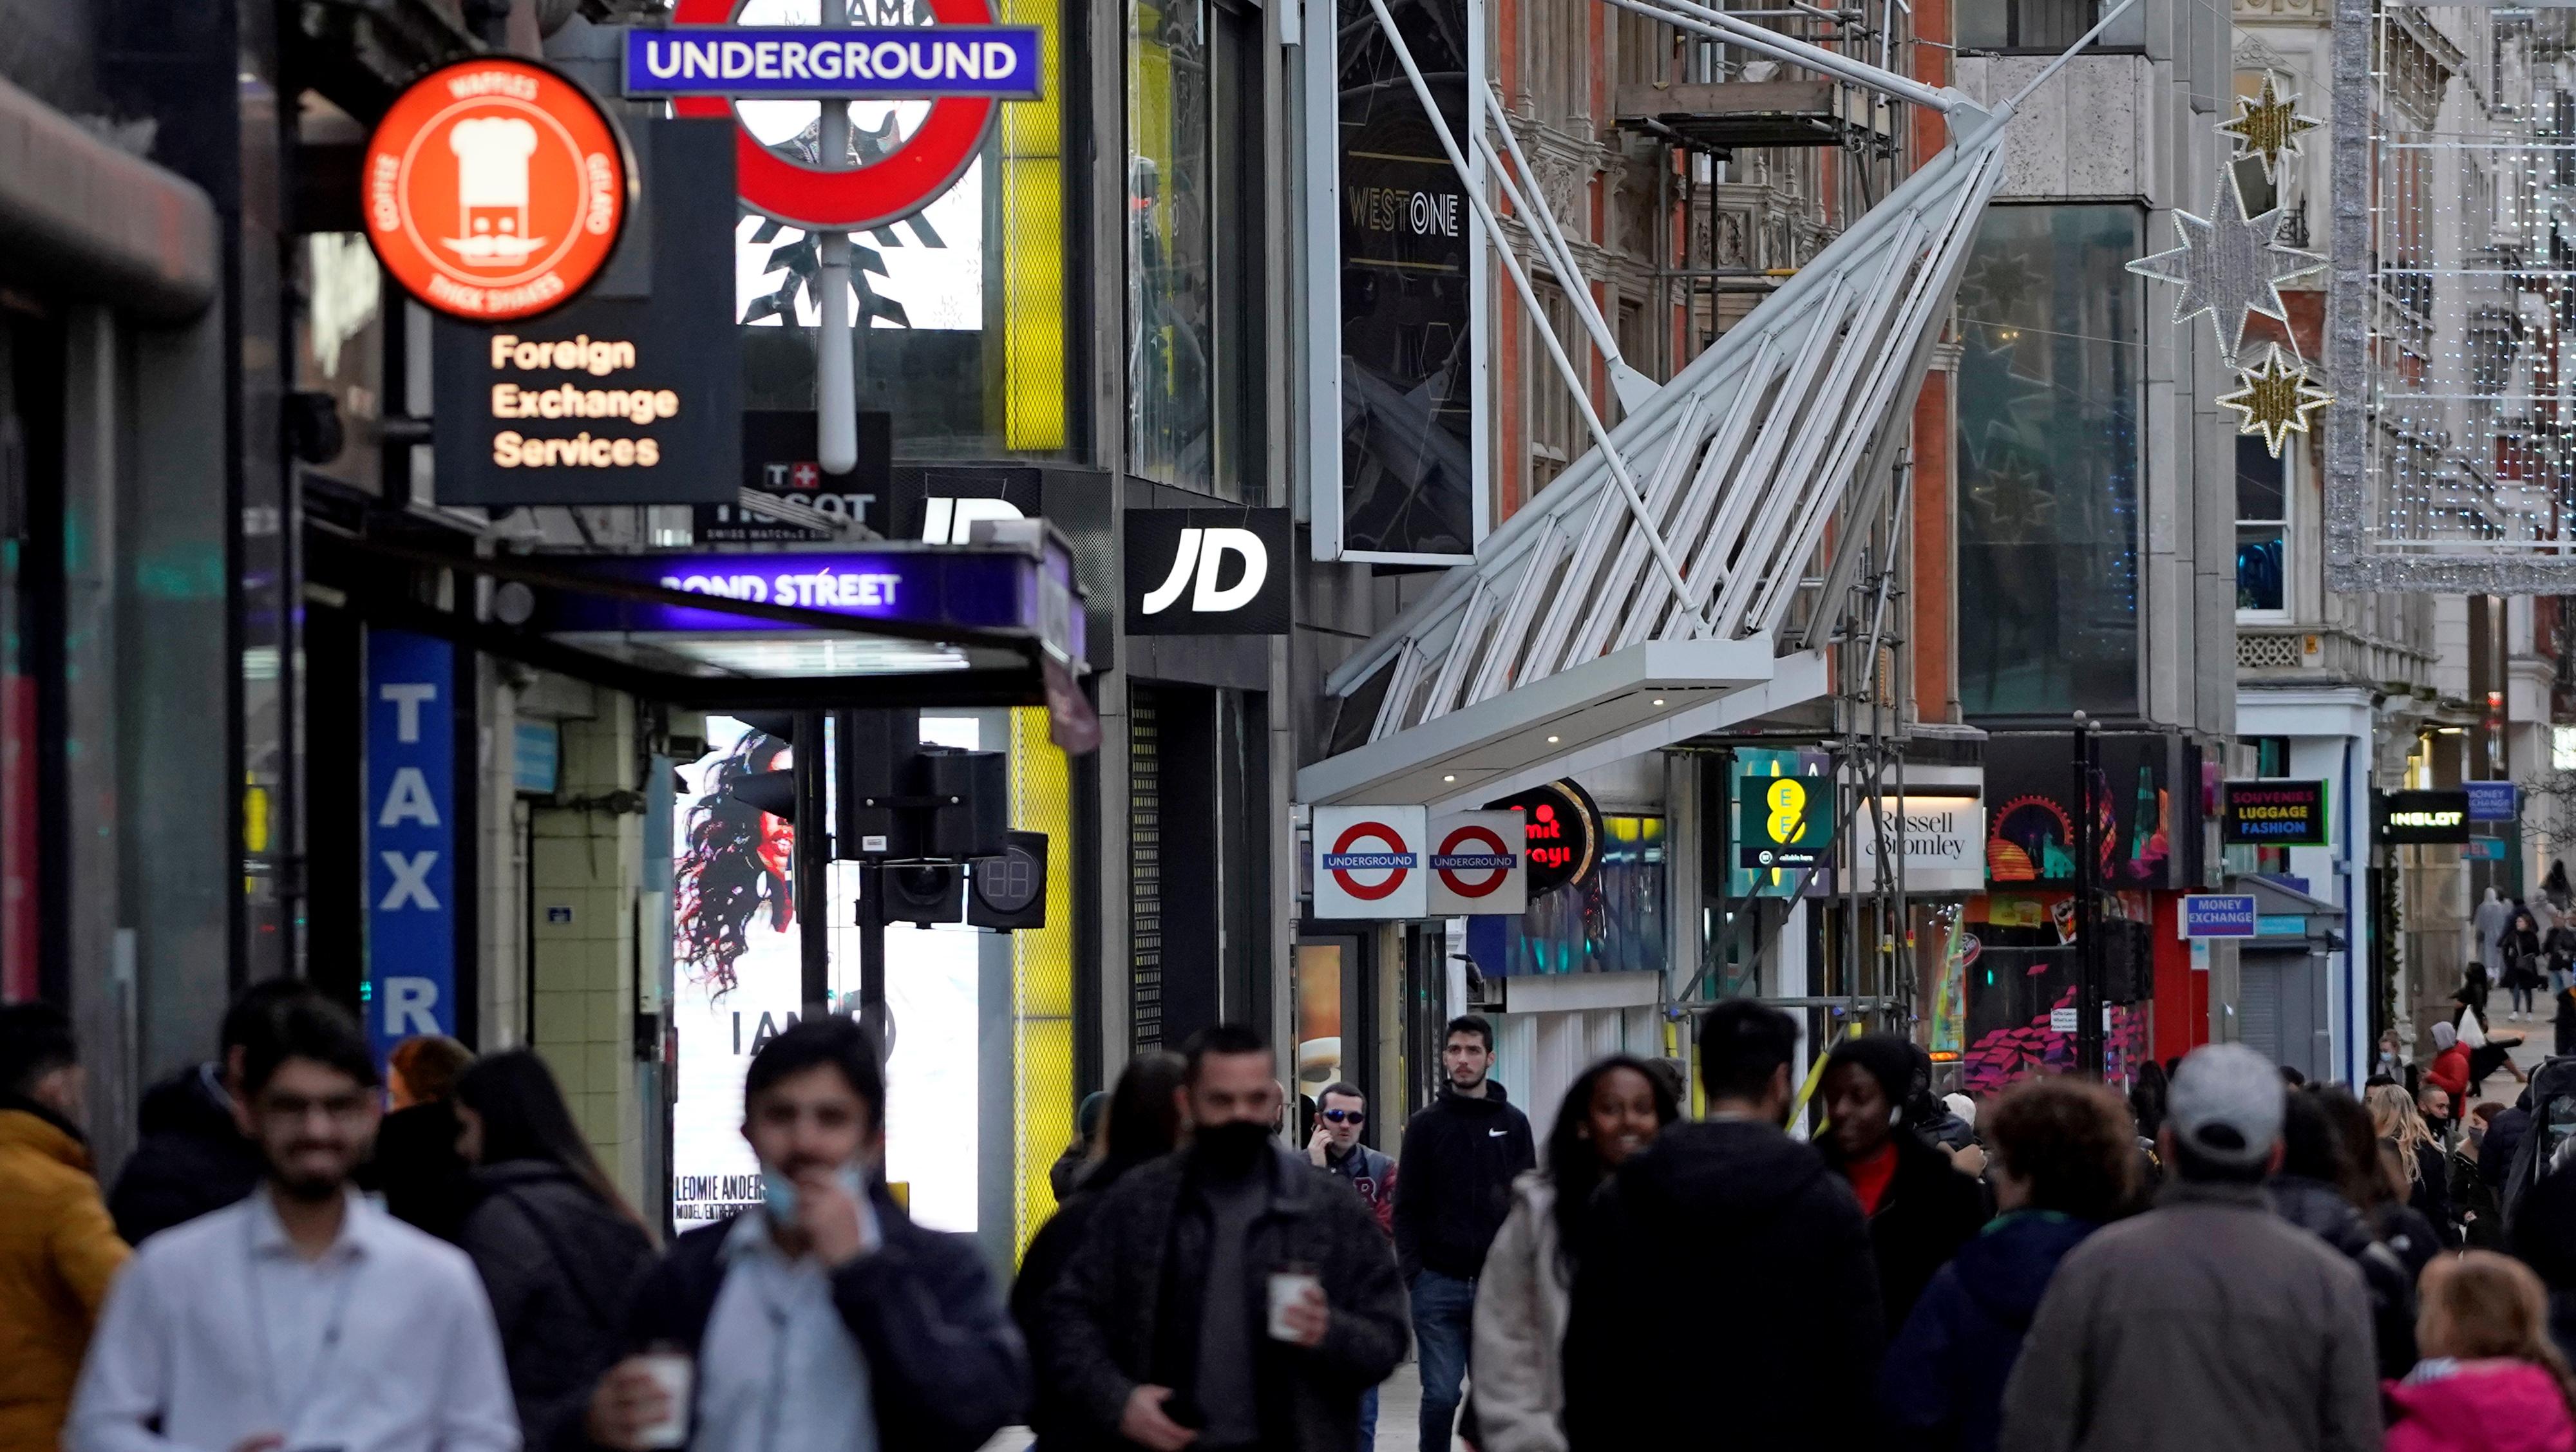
722 880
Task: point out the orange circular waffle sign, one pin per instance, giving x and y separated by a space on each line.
495 189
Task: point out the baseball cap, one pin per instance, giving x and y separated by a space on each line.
2226 1105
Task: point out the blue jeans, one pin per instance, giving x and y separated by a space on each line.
1368 1420
1443 1319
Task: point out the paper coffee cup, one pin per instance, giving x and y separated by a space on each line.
1287 1287
674 1373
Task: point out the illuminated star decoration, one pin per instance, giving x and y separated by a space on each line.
2276 399
2229 267
2268 126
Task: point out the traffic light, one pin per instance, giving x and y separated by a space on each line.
970 801
1009 891
924 893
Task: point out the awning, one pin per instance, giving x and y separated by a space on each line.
1684 575
888 625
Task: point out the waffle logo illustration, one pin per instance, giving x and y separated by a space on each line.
492 190
495 189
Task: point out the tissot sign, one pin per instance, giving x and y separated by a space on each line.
1207 571
495 189
963 62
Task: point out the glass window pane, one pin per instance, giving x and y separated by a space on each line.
2259 480
1171 344
2049 384
2259 583
1984 24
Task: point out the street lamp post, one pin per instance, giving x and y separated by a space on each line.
2088 938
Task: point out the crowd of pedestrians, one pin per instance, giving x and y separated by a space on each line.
2221 1259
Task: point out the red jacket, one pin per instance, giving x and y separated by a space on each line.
2451 1071
2480 1406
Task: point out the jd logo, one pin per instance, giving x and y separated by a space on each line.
952 521
1202 553
1207 571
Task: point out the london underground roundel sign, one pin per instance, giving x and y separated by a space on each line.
1369 849
495 189
1473 861
894 186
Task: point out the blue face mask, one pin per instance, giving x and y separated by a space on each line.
778 1193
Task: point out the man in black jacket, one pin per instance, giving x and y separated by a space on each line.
1162 1328
825 1309
193 1157
1726 1259
1460 1156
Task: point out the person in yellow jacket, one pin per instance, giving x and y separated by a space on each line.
58 1249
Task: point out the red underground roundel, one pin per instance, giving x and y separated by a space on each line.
1396 860
857 198
1472 841
495 189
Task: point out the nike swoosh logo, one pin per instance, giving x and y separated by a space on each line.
1495 1133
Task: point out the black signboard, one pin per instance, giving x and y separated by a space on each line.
2145 797
1208 571
614 398
2274 814
940 503
778 449
2437 818
1408 237
1563 826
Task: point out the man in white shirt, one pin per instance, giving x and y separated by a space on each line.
303 1319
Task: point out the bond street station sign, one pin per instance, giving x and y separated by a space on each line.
964 64
495 189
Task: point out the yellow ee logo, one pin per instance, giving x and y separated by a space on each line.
1788 801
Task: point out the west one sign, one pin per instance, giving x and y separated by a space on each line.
411 837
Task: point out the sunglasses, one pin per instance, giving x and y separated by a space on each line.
1347 1116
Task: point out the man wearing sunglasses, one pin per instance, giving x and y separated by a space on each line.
1341 1113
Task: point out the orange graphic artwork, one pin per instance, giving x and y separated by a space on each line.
495 189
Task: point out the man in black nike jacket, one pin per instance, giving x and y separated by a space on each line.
1460 1155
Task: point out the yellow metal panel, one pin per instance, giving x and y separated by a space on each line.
1042 974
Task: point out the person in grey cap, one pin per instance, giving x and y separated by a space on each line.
2207 1323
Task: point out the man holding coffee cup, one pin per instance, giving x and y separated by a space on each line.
822 1320
1229 1296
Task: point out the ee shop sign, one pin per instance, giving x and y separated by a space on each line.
964 64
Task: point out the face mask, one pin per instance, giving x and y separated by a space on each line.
778 1193
1232 1147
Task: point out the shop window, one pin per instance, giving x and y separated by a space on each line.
2262 531
966 316
1195 245
1611 922
2049 386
